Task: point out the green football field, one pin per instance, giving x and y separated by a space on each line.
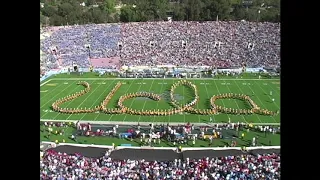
62 86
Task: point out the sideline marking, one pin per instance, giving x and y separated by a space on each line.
45 82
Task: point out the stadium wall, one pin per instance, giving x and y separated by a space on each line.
65 70
167 148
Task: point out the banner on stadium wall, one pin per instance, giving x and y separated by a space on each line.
230 70
126 145
255 70
65 70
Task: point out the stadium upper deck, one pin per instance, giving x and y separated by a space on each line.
222 44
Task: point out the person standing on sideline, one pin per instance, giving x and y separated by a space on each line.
270 93
73 137
253 141
210 119
193 140
49 133
265 131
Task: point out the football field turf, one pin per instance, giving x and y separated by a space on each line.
258 90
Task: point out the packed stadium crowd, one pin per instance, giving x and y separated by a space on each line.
223 44
75 44
60 166
220 44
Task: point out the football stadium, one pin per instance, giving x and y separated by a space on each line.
161 99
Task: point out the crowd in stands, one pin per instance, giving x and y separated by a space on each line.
220 44
223 44
77 44
60 166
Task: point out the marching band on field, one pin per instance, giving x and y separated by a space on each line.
190 85
140 112
108 98
255 108
178 108
55 105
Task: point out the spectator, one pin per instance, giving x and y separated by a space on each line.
219 44
60 165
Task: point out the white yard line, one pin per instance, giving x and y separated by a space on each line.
154 116
51 91
144 104
133 99
236 101
84 99
262 104
57 94
98 99
276 91
222 101
266 93
45 82
55 97
244 93
79 86
205 85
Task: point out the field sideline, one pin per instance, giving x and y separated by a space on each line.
257 89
